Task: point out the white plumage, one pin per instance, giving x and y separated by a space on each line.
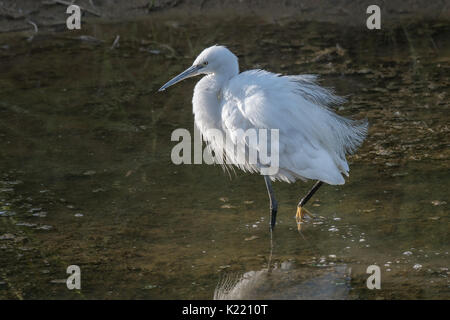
313 140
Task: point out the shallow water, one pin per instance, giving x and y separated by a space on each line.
87 177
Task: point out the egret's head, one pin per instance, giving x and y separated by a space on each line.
215 59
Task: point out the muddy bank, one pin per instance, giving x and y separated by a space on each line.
25 14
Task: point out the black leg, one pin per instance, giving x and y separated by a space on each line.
310 193
273 203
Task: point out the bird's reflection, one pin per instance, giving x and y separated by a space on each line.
284 281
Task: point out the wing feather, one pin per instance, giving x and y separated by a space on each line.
313 139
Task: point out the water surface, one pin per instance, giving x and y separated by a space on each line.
87 178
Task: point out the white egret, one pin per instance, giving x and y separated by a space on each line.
313 140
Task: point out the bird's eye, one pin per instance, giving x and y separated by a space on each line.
205 63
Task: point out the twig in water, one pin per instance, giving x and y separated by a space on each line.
30 38
116 42
34 26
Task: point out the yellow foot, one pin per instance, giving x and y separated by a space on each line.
301 212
